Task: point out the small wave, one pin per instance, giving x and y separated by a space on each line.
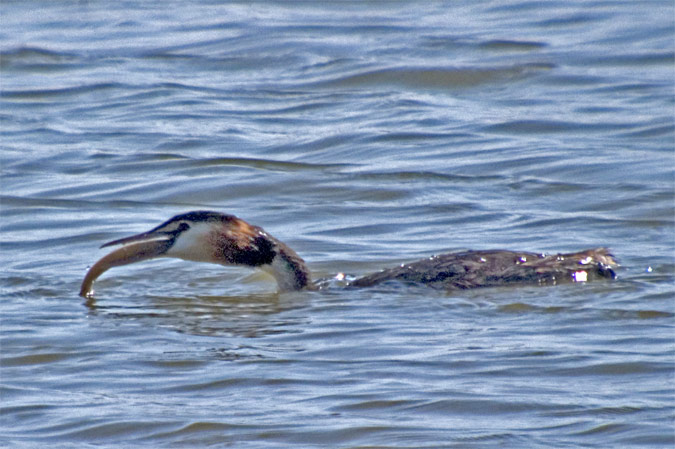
40 94
438 77
510 45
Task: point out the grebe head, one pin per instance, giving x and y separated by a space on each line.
205 236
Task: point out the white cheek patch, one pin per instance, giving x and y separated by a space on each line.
193 244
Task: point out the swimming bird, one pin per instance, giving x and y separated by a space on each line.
206 236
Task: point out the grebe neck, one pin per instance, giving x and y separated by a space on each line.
289 270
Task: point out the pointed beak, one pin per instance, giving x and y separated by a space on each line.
136 248
142 237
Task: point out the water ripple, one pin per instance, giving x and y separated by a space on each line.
364 137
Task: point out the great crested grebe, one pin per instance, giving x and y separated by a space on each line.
204 236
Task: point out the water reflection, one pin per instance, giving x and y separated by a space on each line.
249 315
362 134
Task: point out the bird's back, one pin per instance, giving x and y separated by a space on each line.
472 269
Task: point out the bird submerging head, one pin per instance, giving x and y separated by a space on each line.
205 236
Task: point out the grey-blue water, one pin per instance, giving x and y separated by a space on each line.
364 135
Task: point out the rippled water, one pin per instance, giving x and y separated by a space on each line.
364 135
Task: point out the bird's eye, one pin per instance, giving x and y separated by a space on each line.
183 227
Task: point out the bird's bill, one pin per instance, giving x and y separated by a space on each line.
136 248
142 237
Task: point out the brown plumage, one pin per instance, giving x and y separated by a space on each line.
205 236
472 269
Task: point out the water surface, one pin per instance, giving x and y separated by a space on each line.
363 135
